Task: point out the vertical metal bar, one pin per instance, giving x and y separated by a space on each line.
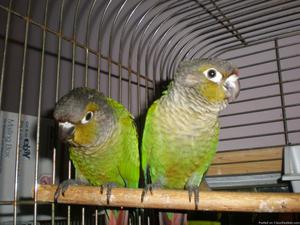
131 49
69 207
39 113
87 42
53 182
82 216
120 86
20 113
139 94
98 70
107 4
110 47
122 44
109 59
72 86
109 75
139 58
5 51
96 217
140 50
74 44
59 50
152 34
286 135
132 42
57 96
87 65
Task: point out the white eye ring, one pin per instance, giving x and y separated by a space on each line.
213 75
87 117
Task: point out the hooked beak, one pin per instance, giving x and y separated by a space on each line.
232 87
65 131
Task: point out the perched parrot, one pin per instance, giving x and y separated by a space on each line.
182 129
103 142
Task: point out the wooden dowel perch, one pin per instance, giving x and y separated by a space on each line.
175 199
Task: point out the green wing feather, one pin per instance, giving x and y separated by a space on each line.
129 165
148 137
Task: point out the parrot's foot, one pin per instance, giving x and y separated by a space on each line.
194 189
63 186
108 187
149 188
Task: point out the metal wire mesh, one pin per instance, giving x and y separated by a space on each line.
127 49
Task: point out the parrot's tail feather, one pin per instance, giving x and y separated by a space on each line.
117 217
179 218
122 217
111 219
172 219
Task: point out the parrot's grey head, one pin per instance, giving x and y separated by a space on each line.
214 79
83 115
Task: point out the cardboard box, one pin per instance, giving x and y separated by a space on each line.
27 159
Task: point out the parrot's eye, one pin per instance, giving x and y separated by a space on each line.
88 116
213 75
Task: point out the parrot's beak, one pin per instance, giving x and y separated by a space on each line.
232 87
66 131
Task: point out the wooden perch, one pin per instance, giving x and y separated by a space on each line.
175 199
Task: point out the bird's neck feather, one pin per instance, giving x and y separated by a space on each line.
190 98
188 114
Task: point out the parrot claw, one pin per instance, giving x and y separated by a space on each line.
63 186
108 187
149 188
145 191
194 190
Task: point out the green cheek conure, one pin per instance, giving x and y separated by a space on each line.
103 142
182 129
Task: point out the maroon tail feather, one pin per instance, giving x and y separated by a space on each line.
176 219
117 217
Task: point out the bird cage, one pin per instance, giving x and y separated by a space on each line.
129 50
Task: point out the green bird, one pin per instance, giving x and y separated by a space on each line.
103 142
182 129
